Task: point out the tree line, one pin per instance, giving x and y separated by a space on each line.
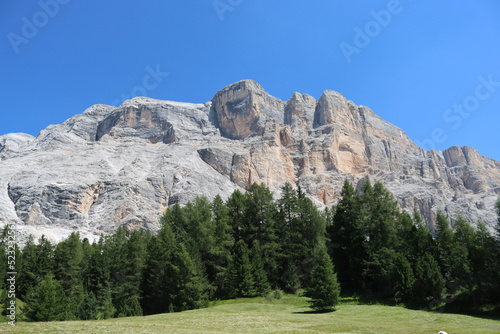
252 244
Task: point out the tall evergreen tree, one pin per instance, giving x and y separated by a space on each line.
97 270
187 287
28 277
452 256
68 260
260 224
155 281
221 254
323 289
348 237
290 239
241 272
37 260
46 301
464 241
129 274
237 208
260 276
485 268
419 249
428 285
312 232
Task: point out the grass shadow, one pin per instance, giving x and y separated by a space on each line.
315 311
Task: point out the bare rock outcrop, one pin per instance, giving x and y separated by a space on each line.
123 166
243 108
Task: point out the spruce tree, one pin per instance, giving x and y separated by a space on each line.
236 205
323 289
260 276
241 272
429 283
452 256
128 274
485 269
464 240
28 274
106 309
348 237
260 224
155 285
68 261
221 255
46 301
89 308
187 286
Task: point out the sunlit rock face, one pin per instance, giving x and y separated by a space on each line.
124 166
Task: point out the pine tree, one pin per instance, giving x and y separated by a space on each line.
301 228
28 274
129 271
106 309
155 283
46 301
452 256
260 276
236 205
419 249
323 289
189 287
485 269
290 240
68 256
348 237
259 223
311 230
68 260
241 272
428 285
89 308
221 255
37 261
97 270
464 240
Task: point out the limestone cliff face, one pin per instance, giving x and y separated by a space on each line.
110 167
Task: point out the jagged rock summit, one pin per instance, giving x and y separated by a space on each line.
123 166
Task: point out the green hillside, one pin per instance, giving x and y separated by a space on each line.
289 315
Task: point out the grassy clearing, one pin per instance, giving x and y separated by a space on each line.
288 315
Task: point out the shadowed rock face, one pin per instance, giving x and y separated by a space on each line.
110 167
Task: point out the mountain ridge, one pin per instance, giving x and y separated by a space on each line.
123 166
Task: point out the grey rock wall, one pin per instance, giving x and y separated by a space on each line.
110 167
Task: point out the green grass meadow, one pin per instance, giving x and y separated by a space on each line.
288 315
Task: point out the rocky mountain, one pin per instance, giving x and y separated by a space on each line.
123 166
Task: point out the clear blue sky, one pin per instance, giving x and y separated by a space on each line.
409 61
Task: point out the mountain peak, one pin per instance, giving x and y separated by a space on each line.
123 166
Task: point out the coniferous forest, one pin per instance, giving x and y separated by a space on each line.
254 245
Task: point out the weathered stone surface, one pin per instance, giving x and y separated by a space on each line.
14 142
243 108
299 111
110 167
